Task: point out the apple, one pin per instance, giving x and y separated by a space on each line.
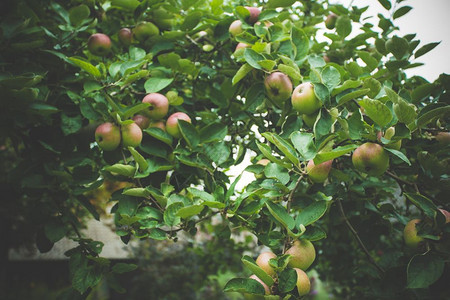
125 36
303 282
159 106
142 121
145 30
263 262
278 87
99 44
318 173
158 124
388 134
254 14
131 135
330 21
302 254
107 136
162 18
371 158
446 214
310 119
443 137
304 99
241 46
235 28
266 287
326 58
412 240
263 162
172 123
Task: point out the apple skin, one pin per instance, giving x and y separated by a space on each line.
388 134
371 158
443 137
303 282
302 254
125 36
241 46
172 123
131 135
107 136
318 173
254 14
266 288
446 214
304 99
309 119
159 106
142 121
330 21
412 240
263 262
158 124
235 28
145 30
278 87
99 44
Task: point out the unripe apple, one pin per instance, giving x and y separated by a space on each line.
145 30
125 36
142 121
303 282
263 262
309 119
388 134
254 14
159 105
304 99
131 135
412 240
99 44
278 87
266 288
318 173
107 136
371 158
302 254
263 162
443 137
235 28
158 124
330 21
172 123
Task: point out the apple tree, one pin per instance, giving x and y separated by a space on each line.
159 99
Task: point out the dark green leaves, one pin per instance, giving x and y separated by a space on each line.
255 269
397 46
312 213
244 285
304 143
423 203
287 280
280 3
425 49
300 44
156 84
280 214
189 133
377 111
343 26
401 11
423 270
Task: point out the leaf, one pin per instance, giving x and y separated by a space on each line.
331 77
423 203
189 133
287 280
401 11
312 213
280 214
386 4
369 60
244 285
217 152
276 171
279 3
300 42
191 20
252 58
78 13
159 134
290 71
424 270
304 143
241 73
283 146
129 5
120 268
343 26
55 230
397 46
255 269
267 152
427 117
399 154
377 111
213 132
425 49
189 211
86 66
344 98
157 234
139 159
171 217
71 125
335 153
136 192
121 169
155 84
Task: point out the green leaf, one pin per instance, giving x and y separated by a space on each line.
369 60
267 64
276 171
252 58
397 46
283 146
377 111
425 49
191 20
287 280
255 269
344 98
120 268
373 85
304 143
86 277
213 132
280 214
422 92
343 26
139 159
159 134
331 77
157 234
424 270
300 42
405 112
267 152
244 285
86 66
399 154
241 73
386 4
121 169
314 234
71 125
55 230
136 192
423 203
312 213
189 133
401 11
290 71
131 110
129 5
217 152
335 153
189 211
78 14
155 84
171 217
427 117
279 3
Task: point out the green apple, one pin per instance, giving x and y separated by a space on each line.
302 254
125 36
131 135
162 18
145 30
159 106
266 287
303 283
254 14
107 136
304 99
142 121
318 173
172 123
412 240
388 134
263 262
330 21
235 28
278 87
371 158
158 124
99 44
310 119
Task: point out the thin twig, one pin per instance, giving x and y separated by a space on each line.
291 194
361 244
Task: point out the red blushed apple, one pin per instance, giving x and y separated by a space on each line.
318 173
125 36
158 124
304 99
278 87
131 135
172 123
330 21
142 121
371 158
446 214
99 44
241 46
254 14
107 136
235 28
159 106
